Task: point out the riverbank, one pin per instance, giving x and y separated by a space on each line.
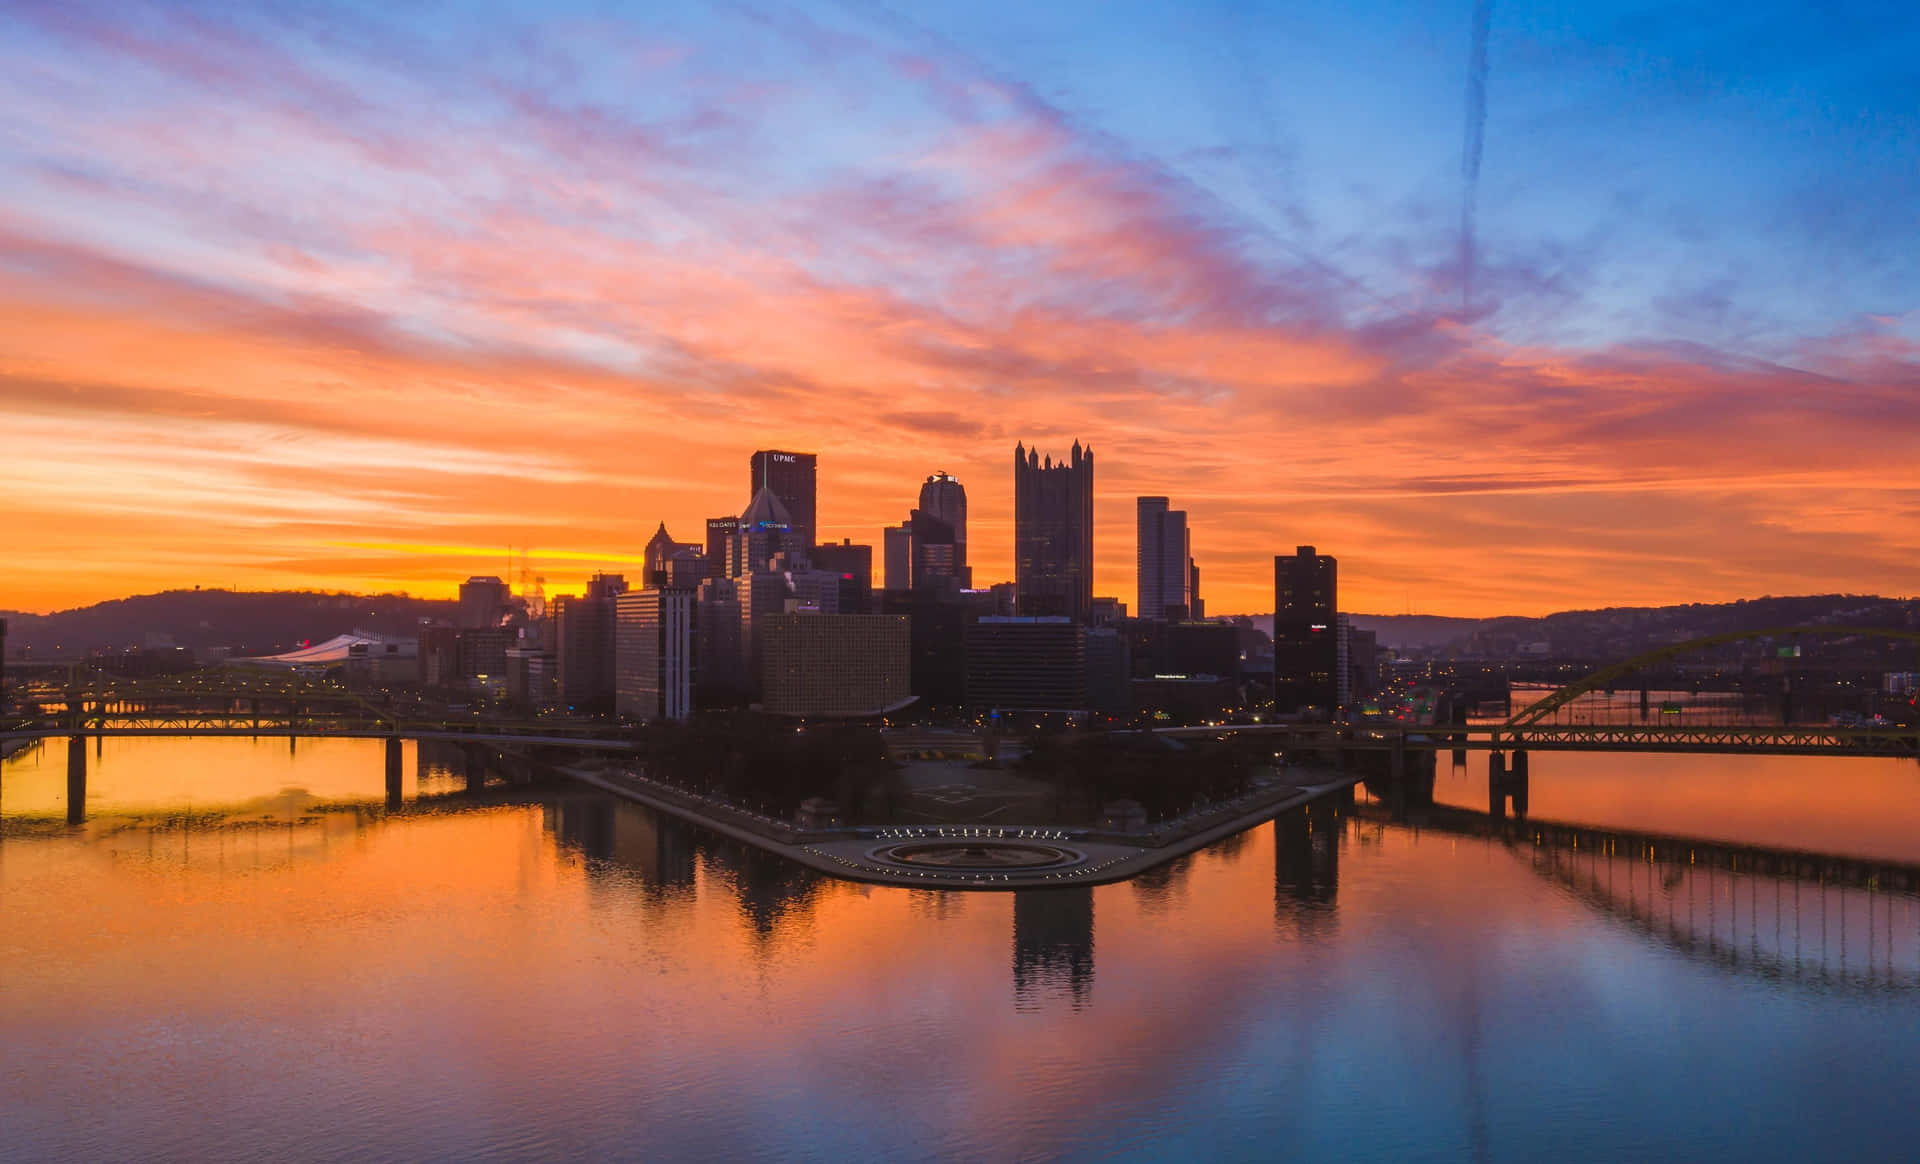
987 857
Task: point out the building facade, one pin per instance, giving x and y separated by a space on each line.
853 566
483 601
1306 638
1025 662
943 497
793 478
654 654
1163 561
833 665
1053 533
720 531
897 557
766 529
583 645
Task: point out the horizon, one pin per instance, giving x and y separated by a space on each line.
1319 278
452 596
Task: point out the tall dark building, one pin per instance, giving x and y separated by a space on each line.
897 560
584 645
483 601
1053 533
1306 641
720 531
936 553
765 529
1163 561
792 477
853 565
943 496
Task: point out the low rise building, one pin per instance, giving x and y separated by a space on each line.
833 665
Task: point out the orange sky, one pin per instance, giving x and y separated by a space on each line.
267 327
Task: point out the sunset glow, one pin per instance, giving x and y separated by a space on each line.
359 299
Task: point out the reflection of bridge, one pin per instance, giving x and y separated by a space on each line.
287 706
1832 921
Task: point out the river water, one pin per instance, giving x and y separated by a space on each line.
244 952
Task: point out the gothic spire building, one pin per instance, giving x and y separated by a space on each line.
1053 533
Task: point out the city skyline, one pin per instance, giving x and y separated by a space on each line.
476 303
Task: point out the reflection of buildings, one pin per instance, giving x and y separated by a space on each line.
1306 870
1052 946
774 892
626 836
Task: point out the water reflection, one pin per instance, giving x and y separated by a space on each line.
1786 915
578 976
1052 947
1306 872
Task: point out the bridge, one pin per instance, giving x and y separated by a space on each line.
1540 727
255 705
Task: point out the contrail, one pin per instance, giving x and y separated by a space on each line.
1470 153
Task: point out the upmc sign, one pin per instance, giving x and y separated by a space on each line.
784 458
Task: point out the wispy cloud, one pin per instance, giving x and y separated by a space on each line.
311 303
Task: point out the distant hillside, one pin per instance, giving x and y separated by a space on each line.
1402 631
1623 631
250 622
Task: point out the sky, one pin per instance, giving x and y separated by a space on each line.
1513 308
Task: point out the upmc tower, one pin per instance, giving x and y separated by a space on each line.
1053 533
1306 635
791 476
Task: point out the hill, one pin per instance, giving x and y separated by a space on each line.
1402 631
249 622
1624 631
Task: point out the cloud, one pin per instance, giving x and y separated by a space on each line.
555 312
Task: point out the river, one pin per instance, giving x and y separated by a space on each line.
244 952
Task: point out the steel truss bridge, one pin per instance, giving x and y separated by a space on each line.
278 705
1536 728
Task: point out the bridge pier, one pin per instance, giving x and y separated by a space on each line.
76 780
476 767
395 767
1506 780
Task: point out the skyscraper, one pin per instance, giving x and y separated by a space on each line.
792 477
654 654
897 557
1053 533
1163 562
483 600
936 552
765 529
943 496
720 531
1306 645
584 645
